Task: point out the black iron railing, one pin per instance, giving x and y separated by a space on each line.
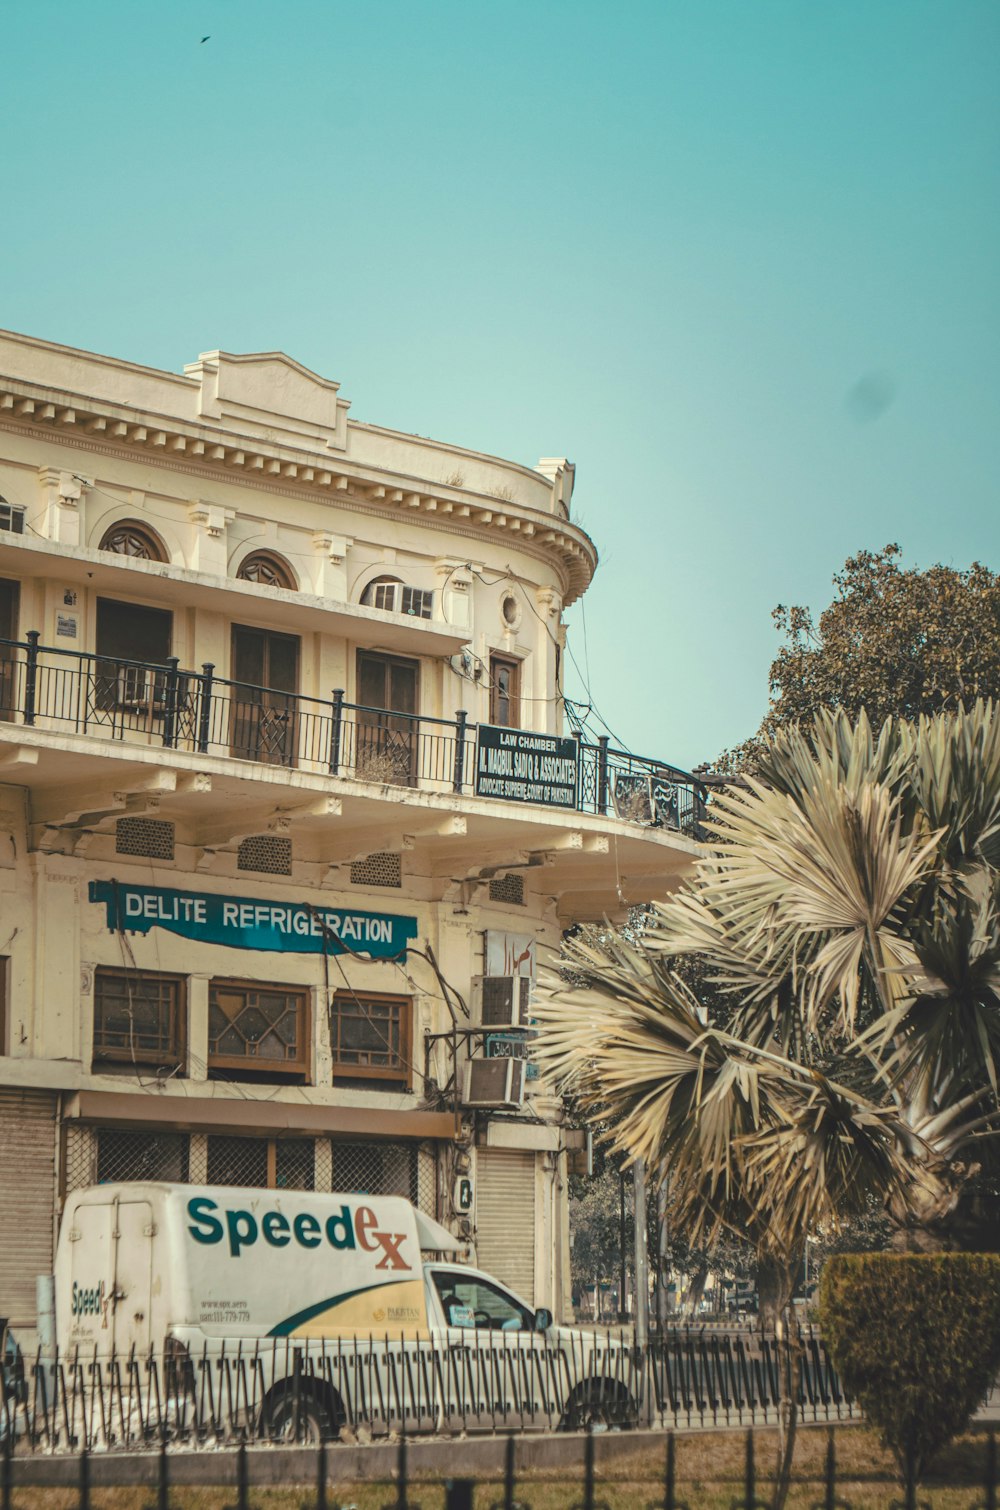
287 1389
131 701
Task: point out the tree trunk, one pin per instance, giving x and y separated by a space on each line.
775 1283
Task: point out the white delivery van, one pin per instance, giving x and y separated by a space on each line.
337 1289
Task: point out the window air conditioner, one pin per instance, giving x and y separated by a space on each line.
494 1082
139 687
501 1001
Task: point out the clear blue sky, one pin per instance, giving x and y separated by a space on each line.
739 259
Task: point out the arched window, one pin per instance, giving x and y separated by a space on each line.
267 570
131 539
393 596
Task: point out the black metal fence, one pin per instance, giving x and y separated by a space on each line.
290 1390
826 1488
138 702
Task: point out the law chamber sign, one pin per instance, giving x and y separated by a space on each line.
524 767
250 923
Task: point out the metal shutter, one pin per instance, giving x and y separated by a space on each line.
505 1217
27 1198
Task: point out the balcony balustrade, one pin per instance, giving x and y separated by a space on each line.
49 688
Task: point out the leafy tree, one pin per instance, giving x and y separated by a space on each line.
894 642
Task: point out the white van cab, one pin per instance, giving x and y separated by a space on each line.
337 1293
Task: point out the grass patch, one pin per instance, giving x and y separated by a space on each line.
709 1476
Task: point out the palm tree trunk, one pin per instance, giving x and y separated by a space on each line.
775 1283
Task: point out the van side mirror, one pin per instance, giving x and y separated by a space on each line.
543 1319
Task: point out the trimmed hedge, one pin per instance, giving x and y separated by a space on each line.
916 1341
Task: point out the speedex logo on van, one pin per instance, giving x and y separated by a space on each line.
341 1230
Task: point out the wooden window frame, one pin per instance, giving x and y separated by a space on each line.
176 1058
399 1074
295 1070
513 665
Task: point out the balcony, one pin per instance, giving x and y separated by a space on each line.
136 703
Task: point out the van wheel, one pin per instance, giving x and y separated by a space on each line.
598 1404
320 1413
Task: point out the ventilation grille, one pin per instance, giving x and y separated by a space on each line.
149 837
269 853
508 889
381 869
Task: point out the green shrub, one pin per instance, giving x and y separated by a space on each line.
916 1341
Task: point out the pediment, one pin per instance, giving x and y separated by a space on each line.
267 389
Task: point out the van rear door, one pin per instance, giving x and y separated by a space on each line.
133 1276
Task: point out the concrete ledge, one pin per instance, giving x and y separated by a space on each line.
467 1457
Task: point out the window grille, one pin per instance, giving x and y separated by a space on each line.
406 1169
270 854
380 869
267 570
79 1156
260 1029
96 1155
139 1018
151 837
131 539
127 1155
370 1037
508 889
11 517
295 1163
237 1161
270 1163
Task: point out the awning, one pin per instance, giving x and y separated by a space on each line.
249 1117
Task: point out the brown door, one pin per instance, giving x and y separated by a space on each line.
388 688
505 692
9 593
265 679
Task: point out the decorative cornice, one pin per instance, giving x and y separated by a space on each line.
211 451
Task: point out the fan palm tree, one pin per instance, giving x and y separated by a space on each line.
842 1038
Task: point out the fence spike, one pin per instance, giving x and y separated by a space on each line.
321 1476
84 1501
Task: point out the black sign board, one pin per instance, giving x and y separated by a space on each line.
523 767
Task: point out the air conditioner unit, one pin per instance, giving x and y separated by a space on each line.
494 1082
139 687
501 1001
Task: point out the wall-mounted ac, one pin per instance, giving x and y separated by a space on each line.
501 1001
139 687
494 1083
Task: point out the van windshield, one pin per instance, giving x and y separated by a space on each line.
471 1301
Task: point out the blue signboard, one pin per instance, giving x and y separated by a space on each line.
252 923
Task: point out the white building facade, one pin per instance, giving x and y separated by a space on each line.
288 807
